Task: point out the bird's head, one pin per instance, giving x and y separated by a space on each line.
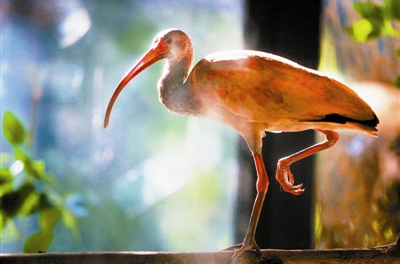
176 43
171 44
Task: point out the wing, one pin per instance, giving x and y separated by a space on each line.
262 87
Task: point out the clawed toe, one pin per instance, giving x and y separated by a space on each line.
286 179
234 247
241 248
295 190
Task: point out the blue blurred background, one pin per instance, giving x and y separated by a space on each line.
152 180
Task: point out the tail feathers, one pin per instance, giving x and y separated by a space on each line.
372 131
367 126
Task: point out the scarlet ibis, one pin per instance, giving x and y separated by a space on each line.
253 92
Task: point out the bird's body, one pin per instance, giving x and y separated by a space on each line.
253 92
235 82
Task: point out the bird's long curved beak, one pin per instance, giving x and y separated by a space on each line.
157 52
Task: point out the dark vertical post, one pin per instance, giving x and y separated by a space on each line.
289 28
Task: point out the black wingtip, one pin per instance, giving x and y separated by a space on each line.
336 118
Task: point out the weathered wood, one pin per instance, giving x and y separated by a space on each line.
389 254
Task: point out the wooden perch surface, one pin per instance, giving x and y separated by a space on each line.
389 254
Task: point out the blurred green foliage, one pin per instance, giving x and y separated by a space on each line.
27 190
376 21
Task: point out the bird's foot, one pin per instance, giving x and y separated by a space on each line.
285 177
241 248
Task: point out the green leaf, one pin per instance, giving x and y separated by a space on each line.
41 241
44 201
392 8
31 167
21 155
365 29
5 176
30 204
388 30
9 231
70 221
37 169
396 82
6 181
19 201
369 10
49 217
4 220
397 52
38 242
6 188
10 204
13 130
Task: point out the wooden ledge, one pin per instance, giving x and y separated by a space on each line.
384 254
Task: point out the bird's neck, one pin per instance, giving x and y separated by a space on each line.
175 92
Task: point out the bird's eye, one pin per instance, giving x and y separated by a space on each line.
169 41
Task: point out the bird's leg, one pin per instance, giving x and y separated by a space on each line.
283 173
249 241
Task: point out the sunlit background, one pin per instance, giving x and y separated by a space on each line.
155 181
152 180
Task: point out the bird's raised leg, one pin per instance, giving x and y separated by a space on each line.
249 241
283 173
